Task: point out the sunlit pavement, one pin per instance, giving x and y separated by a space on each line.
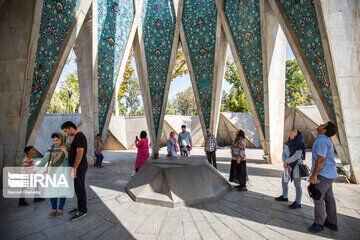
237 215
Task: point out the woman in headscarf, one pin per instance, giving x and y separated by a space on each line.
293 155
143 150
56 159
172 147
238 161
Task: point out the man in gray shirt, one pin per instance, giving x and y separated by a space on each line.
185 142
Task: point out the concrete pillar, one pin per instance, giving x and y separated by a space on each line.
49 89
306 60
84 58
122 24
339 25
139 53
274 57
239 65
201 68
219 71
19 32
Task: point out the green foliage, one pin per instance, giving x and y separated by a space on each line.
184 103
140 112
235 100
132 96
170 110
297 92
60 102
180 67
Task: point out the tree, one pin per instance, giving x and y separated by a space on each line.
297 92
128 74
180 67
170 110
235 100
60 102
184 103
132 96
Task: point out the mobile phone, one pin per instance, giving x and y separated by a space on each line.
137 139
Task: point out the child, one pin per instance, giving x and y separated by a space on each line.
28 161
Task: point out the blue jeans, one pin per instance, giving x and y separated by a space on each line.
297 184
99 159
54 203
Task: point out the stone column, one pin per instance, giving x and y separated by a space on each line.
19 32
84 58
139 53
339 24
274 55
241 70
315 64
219 71
49 89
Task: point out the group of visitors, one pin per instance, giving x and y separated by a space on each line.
323 172
58 156
184 145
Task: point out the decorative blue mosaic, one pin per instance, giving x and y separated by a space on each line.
115 19
158 21
56 20
199 21
303 20
244 20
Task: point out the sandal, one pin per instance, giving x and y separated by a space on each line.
59 213
53 213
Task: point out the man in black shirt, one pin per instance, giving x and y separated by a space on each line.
77 160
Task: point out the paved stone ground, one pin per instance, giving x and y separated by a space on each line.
237 215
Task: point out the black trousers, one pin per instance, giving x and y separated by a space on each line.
238 172
211 156
80 191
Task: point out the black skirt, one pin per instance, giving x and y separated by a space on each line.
238 173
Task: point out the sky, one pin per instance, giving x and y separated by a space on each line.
177 85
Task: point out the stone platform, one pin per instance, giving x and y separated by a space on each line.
175 182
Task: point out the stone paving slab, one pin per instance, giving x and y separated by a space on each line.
236 215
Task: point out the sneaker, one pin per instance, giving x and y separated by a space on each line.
52 214
73 212
281 199
101 166
315 228
331 226
23 204
294 205
59 213
39 199
77 216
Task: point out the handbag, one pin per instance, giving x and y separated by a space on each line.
286 175
304 170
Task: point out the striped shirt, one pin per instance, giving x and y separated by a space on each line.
28 162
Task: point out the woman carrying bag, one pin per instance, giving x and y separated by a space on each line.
56 160
238 172
293 156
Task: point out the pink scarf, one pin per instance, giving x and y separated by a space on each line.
174 140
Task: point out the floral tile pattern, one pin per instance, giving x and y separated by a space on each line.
303 20
56 20
115 19
244 20
158 22
199 21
